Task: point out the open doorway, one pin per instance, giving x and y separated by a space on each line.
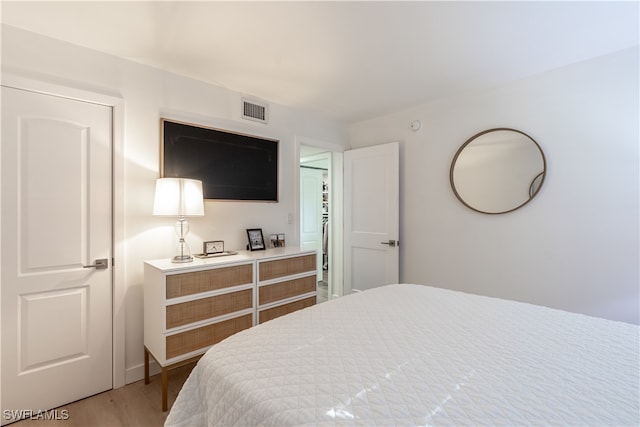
327 160
315 218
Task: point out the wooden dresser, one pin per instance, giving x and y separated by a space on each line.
285 284
190 307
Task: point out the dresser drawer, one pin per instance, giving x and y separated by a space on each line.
206 308
205 336
286 267
281 310
179 285
287 289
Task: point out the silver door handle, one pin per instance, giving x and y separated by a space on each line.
391 243
100 264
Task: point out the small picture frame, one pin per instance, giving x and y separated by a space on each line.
213 247
256 240
277 240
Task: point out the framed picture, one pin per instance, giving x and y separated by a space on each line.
277 240
256 240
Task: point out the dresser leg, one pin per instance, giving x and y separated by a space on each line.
165 382
146 365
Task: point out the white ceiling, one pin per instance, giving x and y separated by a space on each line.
344 60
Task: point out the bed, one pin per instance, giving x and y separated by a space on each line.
402 355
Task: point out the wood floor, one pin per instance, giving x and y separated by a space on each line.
136 404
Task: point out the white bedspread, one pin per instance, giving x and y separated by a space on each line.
405 355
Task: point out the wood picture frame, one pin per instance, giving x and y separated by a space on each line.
213 156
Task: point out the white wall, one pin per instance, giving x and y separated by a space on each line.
575 246
149 94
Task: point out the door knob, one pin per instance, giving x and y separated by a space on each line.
100 264
391 243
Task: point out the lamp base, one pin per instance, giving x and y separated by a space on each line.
183 253
182 258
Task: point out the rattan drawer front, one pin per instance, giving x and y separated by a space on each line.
288 289
206 308
179 285
186 342
287 267
281 310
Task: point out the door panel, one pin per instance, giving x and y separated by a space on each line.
66 338
46 190
56 219
371 194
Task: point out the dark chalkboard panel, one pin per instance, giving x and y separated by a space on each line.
231 166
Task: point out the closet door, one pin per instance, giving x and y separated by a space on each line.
311 226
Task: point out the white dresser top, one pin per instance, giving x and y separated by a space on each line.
166 265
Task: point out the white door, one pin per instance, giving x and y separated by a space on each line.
56 222
371 217
311 213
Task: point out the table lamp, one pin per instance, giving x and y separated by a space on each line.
179 197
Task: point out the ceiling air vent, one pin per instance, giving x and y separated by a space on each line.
251 110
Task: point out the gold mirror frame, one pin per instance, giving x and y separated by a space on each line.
531 186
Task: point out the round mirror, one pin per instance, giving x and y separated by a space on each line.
498 171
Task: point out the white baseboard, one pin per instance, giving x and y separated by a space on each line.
136 373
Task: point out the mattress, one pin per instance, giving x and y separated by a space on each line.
402 355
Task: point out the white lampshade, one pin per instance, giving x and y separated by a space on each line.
178 197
